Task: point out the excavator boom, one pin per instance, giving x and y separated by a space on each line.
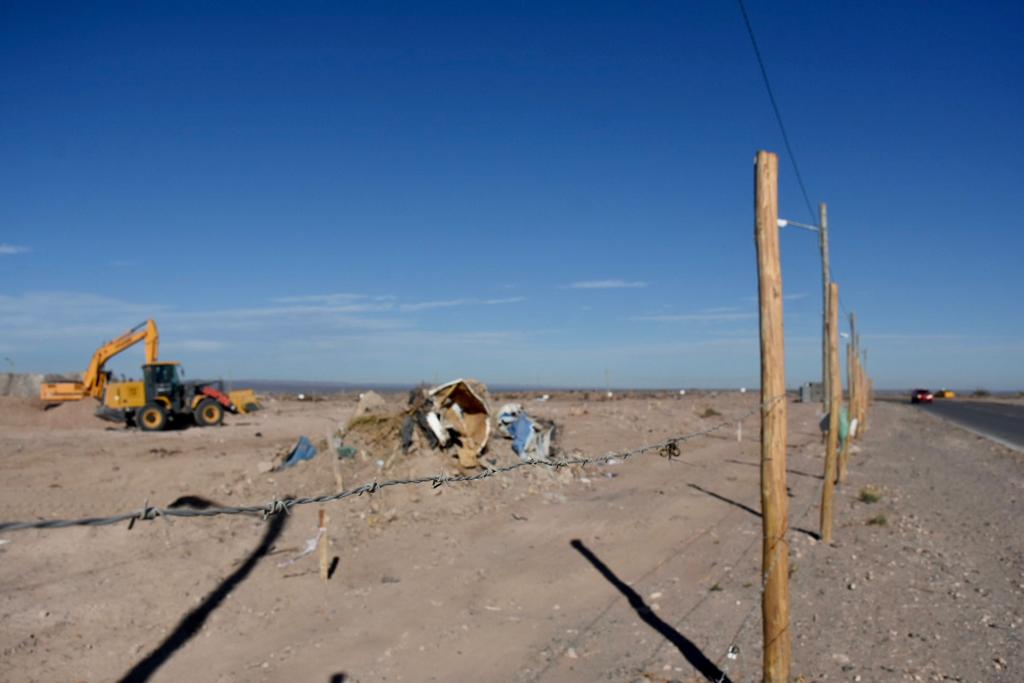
95 379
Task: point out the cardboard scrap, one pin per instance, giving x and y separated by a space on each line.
461 407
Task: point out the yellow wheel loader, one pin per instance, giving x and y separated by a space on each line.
159 398
162 397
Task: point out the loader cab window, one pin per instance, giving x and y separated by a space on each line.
165 374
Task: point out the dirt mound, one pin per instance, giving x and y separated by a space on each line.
20 384
31 412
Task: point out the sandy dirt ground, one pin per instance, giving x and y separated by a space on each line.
645 570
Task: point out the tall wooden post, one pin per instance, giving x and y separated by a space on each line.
835 401
774 503
826 377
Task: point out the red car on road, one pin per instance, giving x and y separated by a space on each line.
921 396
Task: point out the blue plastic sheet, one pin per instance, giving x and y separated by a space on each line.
523 434
304 450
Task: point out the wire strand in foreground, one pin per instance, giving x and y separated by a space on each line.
669 448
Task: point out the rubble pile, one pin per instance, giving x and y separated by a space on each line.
454 418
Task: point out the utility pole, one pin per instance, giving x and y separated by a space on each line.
835 400
826 279
853 332
774 502
852 348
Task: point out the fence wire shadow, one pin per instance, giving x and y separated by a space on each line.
190 625
708 669
798 473
746 508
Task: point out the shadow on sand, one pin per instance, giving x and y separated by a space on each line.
747 508
691 652
819 477
189 626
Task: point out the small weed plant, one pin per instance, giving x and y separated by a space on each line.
869 495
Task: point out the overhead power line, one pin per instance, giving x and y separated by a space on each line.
778 114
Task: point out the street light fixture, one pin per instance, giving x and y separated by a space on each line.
784 223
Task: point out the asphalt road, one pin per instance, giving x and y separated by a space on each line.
1002 422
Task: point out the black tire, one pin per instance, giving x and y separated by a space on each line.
151 418
208 413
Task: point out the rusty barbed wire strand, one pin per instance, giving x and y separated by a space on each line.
669 448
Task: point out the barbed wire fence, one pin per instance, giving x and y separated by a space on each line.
668 448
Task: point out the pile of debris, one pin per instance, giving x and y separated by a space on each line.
454 418
20 384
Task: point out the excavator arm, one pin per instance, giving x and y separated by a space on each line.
95 379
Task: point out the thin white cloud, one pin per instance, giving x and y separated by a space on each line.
897 336
269 312
404 339
450 303
606 284
786 297
430 305
10 249
506 300
329 299
60 326
201 345
695 317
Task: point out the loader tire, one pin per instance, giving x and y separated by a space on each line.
209 413
151 418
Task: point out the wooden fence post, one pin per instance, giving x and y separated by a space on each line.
774 502
835 402
325 562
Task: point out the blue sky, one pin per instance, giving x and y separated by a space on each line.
526 193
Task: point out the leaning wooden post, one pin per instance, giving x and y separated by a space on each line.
864 391
845 452
858 381
835 401
860 399
774 503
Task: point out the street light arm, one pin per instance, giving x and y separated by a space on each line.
813 228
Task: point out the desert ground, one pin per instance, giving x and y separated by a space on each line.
643 570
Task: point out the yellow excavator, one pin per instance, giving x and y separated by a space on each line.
160 398
94 381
